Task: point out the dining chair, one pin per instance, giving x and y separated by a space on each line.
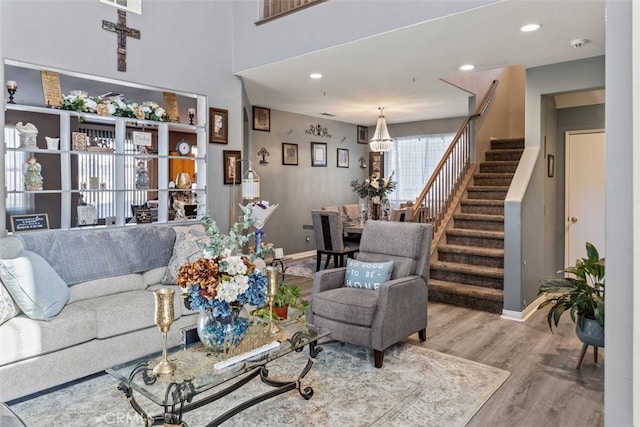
329 233
352 211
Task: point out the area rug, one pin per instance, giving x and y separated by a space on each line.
415 387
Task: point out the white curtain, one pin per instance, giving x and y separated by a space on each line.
412 160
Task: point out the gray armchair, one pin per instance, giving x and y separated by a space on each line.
383 317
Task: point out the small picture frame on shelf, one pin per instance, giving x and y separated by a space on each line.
363 134
261 119
343 158
289 154
319 154
78 141
230 166
218 125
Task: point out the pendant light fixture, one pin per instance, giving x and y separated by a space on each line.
381 140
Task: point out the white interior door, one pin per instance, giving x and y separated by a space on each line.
584 186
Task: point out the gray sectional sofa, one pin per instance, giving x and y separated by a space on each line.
105 316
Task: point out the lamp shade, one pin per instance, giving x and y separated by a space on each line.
381 140
251 185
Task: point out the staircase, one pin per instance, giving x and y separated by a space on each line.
469 270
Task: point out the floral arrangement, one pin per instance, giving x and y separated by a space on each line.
116 107
374 188
222 280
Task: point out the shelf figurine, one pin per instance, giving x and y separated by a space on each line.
142 177
32 174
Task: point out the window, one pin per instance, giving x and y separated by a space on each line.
17 201
412 160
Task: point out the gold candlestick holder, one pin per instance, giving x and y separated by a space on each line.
164 319
272 291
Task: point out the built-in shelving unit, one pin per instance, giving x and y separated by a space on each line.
105 179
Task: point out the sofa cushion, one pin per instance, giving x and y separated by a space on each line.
367 275
122 313
23 338
347 305
80 256
10 247
185 249
8 308
106 286
35 287
153 276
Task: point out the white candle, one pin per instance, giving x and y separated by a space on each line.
12 85
191 111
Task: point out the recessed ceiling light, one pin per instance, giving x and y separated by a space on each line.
315 75
466 67
530 27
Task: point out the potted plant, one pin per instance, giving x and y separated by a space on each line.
288 296
582 294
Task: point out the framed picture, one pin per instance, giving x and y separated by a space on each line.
551 165
261 119
319 154
363 135
230 166
289 154
376 164
218 125
343 158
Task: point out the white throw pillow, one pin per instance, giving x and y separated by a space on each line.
34 285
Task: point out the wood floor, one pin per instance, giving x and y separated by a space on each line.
544 389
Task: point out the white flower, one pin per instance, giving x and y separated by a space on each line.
121 105
90 104
159 111
374 184
112 108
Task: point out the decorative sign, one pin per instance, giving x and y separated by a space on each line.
142 138
318 131
31 222
143 216
51 88
171 106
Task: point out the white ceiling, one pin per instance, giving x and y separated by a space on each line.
403 70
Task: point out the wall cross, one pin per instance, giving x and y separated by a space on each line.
121 29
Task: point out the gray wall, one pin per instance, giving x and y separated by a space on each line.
620 397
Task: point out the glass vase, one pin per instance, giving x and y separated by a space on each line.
219 333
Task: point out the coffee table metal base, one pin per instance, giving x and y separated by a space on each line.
181 395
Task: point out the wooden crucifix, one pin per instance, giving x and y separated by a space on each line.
121 29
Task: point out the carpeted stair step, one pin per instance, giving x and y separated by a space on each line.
498 167
488 277
478 221
479 206
480 238
503 155
492 179
474 297
493 192
508 143
486 257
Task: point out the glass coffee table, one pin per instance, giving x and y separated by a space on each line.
186 389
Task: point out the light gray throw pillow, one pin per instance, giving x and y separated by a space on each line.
34 285
367 275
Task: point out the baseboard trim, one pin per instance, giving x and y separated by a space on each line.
522 316
301 255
